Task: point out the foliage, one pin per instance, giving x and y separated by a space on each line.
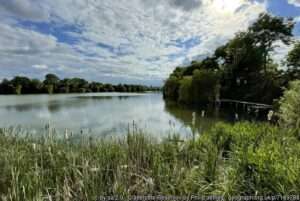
245 69
268 29
52 84
201 80
293 62
171 88
240 159
185 93
289 111
192 89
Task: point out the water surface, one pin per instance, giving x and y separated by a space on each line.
99 113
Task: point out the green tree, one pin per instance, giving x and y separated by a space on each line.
49 88
35 86
293 62
64 86
205 86
22 84
78 85
268 29
267 87
51 83
109 88
171 88
51 79
95 86
6 87
185 90
18 89
241 64
289 111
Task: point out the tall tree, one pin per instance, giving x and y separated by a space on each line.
268 29
21 84
293 62
51 81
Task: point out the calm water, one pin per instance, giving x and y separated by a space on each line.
98 113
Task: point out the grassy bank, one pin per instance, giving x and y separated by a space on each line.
240 159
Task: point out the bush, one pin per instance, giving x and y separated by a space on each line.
185 94
205 86
259 159
289 111
171 88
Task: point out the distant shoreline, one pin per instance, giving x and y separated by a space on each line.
52 84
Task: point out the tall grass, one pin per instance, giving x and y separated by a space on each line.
240 159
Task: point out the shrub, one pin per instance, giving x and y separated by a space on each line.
171 88
185 95
205 86
289 111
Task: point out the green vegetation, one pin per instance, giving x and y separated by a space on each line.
290 107
52 84
293 62
242 69
240 159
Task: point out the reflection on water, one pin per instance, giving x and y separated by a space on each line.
205 119
100 113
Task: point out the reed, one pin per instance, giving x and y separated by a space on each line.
240 159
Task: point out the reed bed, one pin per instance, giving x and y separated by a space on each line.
240 159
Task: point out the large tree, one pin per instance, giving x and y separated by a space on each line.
244 63
246 59
293 62
268 29
51 82
51 79
21 84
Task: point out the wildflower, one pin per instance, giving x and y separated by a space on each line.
194 118
150 181
202 113
94 169
270 115
124 166
236 116
196 167
34 146
66 134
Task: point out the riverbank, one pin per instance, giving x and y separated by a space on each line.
240 159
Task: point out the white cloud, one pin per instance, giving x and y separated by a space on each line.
15 40
294 2
128 40
40 66
26 9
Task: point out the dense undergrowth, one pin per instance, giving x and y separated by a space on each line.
240 159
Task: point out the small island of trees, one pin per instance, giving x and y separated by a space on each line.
53 84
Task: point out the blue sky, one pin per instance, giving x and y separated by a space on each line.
137 41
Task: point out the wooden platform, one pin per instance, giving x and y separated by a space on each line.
246 103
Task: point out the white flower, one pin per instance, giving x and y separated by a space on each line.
124 166
95 169
34 146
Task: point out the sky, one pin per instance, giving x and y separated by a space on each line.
122 41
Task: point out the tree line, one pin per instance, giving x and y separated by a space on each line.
53 84
242 69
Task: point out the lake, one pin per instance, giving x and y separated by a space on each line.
99 114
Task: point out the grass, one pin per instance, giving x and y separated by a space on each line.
240 159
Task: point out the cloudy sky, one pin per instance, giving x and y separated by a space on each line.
121 41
